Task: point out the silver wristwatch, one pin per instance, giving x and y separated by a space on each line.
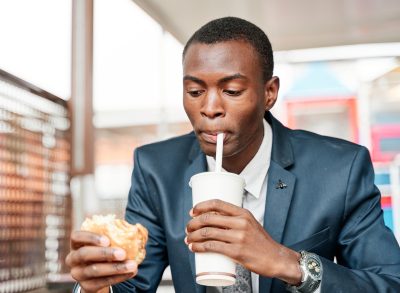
311 270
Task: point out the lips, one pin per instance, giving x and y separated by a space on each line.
210 136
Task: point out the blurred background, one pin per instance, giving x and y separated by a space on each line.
83 83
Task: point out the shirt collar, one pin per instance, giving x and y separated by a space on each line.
256 170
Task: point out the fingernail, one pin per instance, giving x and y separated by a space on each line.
104 241
191 213
190 247
131 265
186 230
185 240
119 254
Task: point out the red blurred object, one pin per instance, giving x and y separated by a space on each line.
385 141
335 116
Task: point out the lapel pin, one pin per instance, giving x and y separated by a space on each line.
280 184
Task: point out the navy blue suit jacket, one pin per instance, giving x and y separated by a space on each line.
330 207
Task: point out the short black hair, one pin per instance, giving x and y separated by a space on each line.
236 29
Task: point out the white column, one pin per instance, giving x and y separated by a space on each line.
364 114
81 106
162 127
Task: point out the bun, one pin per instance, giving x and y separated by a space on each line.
131 238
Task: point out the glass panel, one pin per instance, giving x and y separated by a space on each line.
35 202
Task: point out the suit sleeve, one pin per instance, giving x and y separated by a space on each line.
368 255
141 208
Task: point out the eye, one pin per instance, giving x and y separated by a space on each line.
195 93
233 93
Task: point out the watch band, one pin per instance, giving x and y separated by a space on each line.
311 269
77 289
308 286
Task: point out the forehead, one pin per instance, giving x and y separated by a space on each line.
235 56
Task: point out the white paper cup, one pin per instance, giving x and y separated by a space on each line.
213 269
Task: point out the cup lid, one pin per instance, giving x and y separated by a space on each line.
229 174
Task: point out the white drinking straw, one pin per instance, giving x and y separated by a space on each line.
219 152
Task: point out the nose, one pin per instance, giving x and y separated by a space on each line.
212 106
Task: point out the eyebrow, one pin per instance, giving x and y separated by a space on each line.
232 77
194 79
222 80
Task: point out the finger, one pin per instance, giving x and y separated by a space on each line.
82 238
216 205
209 233
215 220
94 285
227 249
97 270
88 254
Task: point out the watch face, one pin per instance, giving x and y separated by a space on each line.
314 267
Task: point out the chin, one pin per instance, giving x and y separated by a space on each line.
208 149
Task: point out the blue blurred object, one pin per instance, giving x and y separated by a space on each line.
382 179
318 81
388 217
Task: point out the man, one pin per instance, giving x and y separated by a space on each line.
304 192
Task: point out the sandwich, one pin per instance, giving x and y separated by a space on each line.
131 238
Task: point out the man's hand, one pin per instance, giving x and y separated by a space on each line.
221 227
95 265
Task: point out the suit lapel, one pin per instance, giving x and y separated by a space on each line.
276 208
278 200
198 165
280 188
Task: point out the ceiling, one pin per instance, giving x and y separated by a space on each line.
289 24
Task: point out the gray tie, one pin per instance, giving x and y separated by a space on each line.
243 275
243 281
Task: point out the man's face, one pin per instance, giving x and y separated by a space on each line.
223 91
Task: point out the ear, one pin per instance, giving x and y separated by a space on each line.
271 92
